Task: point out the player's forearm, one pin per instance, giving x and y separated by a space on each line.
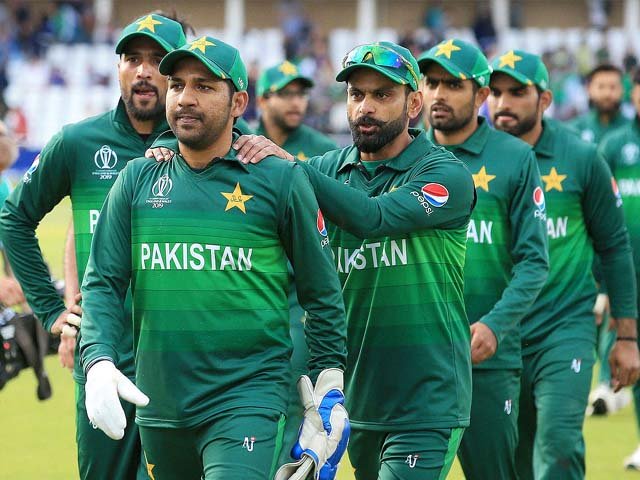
29 268
71 284
619 275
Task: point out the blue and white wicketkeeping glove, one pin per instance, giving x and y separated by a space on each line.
325 429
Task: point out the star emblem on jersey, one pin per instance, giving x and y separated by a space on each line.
201 44
236 199
150 467
509 59
302 156
288 68
149 23
446 49
482 179
553 180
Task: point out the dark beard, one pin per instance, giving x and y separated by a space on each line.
522 127
388 132
144 114
282 125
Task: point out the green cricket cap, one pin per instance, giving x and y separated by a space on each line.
526 68
391 60
168 33
220 58
460 59
278 77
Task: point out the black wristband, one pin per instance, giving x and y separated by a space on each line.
626 339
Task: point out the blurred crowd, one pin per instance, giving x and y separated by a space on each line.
27 33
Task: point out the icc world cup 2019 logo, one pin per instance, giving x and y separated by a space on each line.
105 158
160 192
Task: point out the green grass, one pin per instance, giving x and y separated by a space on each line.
37 440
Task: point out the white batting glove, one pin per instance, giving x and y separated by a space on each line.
104 388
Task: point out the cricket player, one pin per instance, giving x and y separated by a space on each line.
506 261
283 98
605 90
399 208
621 150
584 216
204 242
604 87
83 161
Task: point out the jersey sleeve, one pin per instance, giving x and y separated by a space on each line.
528 253
43 186
305 240
438 196
107 276
601 204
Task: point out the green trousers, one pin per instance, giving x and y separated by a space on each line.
238 444
488 447
553 399
101 458
407 455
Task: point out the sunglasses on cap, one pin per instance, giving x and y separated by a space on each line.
382 56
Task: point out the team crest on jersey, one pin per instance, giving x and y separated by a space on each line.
436 194
616 192
34 166
588 136
538 201
160 192
105 160
412 460
576 365
630 153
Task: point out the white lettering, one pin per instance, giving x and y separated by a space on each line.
196 253
185 256
485 234
557 229
145 255
93 220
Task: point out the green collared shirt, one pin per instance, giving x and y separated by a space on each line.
507 261
584 216
592 130
206 255
81 161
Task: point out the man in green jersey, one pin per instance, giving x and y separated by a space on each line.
204 242
283 98
605 90
506 261
604 87
83 161
399 208
558 332
621 150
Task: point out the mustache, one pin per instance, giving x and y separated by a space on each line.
443 106
367 121
187 112
505 114
143 84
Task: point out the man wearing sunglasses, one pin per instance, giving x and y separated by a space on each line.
399 209
506 263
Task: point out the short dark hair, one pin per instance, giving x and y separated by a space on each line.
602 68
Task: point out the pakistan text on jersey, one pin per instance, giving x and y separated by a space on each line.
371 255
194 256
629 187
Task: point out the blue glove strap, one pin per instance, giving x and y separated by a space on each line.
332 398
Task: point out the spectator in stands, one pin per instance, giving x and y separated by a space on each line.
483 28
10 291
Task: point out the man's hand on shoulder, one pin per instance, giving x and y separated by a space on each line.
255 148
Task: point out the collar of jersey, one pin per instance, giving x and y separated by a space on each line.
474 144
544 145
403 162
169 140
292 137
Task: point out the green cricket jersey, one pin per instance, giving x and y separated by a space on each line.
4 190
243 127
507 261
206 253
304 142
591 129
621 150
583 216
83 161
399 239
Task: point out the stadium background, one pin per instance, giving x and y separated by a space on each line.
57 66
